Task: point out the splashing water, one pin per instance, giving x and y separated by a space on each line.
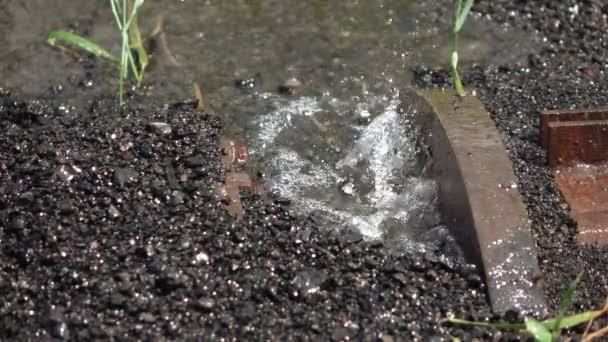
348 165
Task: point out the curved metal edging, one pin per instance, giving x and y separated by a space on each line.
479 199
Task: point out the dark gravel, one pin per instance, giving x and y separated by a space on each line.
109 228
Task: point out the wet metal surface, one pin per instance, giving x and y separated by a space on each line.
585 188
575 136
577 149
480 201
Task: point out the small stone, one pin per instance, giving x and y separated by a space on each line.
124 176
117 300
16 224
169 281
432 275
204 304
67 172
474 279
61 331
282 225
309 282
401 278
289 87
195 161
146 151
201 257
282 201
162 128
177 198
341 334
348 189
147 317
66 207
246 313
387 338
113 212
351 236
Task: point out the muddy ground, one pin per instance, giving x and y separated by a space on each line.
110 228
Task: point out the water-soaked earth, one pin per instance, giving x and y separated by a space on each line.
110 226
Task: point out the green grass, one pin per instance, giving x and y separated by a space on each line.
548 330
133 56
461 13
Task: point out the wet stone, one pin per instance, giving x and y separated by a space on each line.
169 281
113 212
343 334
195 161
146 151
117 300
25 198
282 201
246 312
67 172
147 317
162 128
61 331
282 225
16 224
66 207
203 304
124 176
309 282
201 258
289 87
177 198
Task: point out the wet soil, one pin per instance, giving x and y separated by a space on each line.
110 228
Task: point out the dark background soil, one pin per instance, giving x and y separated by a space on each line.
136 246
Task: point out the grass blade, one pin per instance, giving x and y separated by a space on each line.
505 326
565 323
455 76
462 14
138 44
538 330
82 43
574 320
565 304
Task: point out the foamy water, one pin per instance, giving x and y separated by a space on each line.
346 165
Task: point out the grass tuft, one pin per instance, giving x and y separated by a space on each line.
460 17
548 330
133 55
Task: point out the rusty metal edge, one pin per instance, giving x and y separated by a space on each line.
553 115
495 236
571 142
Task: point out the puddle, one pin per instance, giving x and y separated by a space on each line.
320 43
336 146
